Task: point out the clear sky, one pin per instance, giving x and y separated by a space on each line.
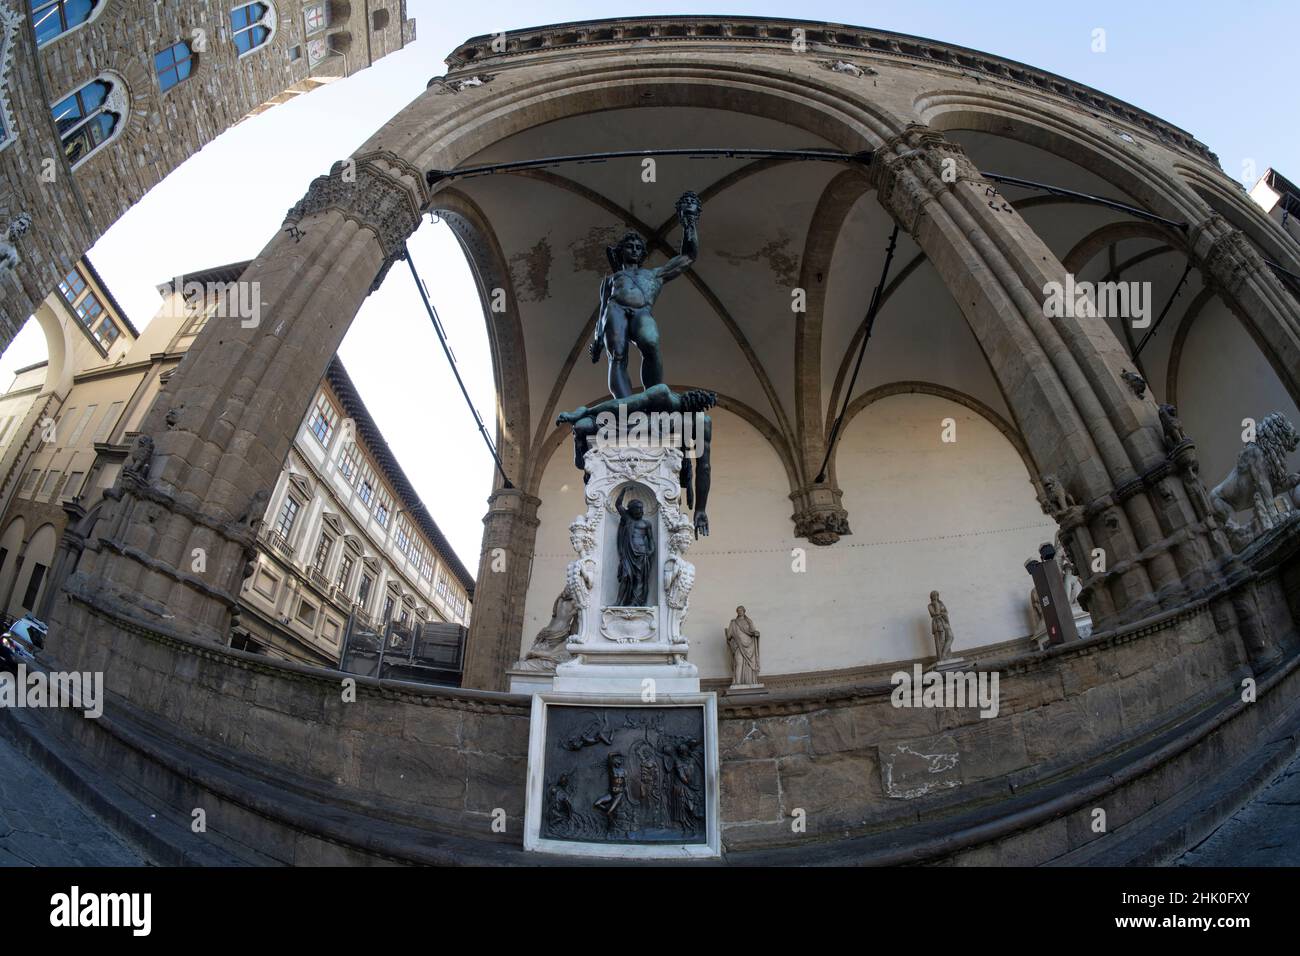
1223 72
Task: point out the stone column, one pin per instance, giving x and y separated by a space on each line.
1233 266
504 567
177 531
1085 427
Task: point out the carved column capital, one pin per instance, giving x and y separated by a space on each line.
913 167
379 191
819 515
1224 250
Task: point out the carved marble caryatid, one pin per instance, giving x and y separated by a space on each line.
742 642
679 577
636 553
1258 477
940 628
548 649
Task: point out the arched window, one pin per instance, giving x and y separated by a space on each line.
85 119
251 25
173 65
52 18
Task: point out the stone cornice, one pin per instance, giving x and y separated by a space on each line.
821 38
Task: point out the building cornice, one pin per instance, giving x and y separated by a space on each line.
751 32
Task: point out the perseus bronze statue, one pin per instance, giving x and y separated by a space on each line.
627 298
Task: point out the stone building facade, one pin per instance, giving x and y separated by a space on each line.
103 98
344 537
346 541
1142 718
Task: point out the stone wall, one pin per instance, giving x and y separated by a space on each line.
71 209
413 773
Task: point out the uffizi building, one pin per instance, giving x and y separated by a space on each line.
345 546
971 506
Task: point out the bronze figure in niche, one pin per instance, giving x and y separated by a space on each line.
636 553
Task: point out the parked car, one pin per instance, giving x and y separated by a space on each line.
31 629
16 647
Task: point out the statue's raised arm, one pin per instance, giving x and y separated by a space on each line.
688 214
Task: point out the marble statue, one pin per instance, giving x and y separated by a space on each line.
742 641
636 553
679 578
548 648
1259 475
940 628
627 296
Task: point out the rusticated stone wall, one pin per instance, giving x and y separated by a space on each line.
70 208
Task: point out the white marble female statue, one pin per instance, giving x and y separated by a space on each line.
679 578
548 648
742 641
940 627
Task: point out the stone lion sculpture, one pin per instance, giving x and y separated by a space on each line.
1259 476
15 230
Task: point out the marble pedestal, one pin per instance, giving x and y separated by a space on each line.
623 751
614 648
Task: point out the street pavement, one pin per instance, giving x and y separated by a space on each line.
41 824
1265 832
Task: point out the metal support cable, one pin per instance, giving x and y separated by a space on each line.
1163 312
862 351
435 176
451 360
1085 197
863 158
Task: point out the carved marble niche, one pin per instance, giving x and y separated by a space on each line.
632 491
614 632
